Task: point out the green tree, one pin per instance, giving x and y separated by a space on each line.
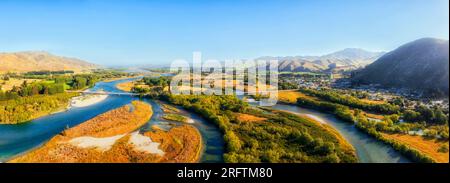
411 116
234 144
440 117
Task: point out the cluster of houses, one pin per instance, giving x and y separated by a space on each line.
311 81
374 92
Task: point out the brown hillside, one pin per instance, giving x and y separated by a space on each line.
38 61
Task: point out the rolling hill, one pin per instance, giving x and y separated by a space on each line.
38 61
422 65
350 58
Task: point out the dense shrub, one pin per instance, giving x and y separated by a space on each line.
282 137
332 96
24 109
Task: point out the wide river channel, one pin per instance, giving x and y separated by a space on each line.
368 149
17 139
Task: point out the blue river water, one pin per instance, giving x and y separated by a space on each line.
368 149
18 139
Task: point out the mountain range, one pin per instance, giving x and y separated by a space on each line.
347 59
38 61
422 64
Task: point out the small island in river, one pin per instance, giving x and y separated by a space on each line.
112 138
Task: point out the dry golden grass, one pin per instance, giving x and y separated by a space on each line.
181 144
115 122
427 146
290 96
374 116
166 108
57 151
9 84
166 88
126 86
20 62
249 118
373 101
156 128
143 86
368 114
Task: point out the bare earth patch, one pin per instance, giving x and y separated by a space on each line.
249 118
99 139
112 138
101 144
87 100
145 144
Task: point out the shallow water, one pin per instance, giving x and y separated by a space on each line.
17 139
368 149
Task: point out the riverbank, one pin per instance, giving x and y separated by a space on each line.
255 135
25 109
431 147
181 144
95 140
112 138
118 78
87 100
126 86
355 113
368 149
177 118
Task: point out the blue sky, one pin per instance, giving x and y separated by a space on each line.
157 32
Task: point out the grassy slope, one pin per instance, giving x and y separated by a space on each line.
427 146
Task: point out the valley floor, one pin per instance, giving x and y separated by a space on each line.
111 138
422 144
426 147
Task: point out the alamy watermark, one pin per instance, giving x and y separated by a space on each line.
256 78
